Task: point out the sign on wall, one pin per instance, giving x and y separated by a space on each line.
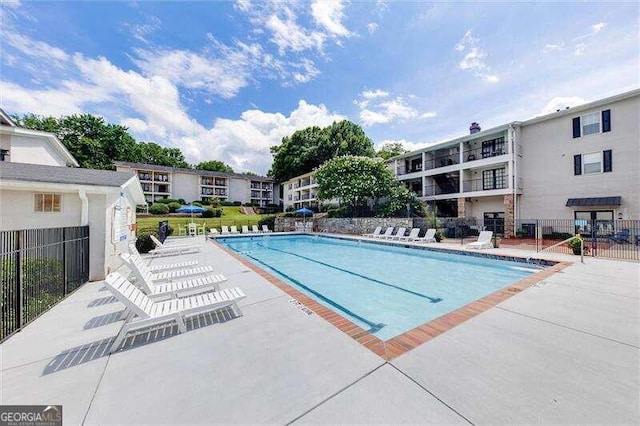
121 218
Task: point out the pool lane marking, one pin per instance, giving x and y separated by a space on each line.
415 293
373 327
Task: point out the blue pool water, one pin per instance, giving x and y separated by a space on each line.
386 290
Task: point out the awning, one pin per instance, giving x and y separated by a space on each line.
594 201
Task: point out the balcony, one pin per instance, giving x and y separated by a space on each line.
442 161
161 178
440 189
480 153
474 185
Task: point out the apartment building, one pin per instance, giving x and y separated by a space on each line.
300 191
577 163
160 182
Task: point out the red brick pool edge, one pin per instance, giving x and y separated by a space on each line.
411 339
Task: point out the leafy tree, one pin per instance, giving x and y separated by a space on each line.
152 153
354 180
390 149
396 202
250 173
214 166
307 149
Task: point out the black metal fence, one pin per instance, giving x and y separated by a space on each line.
38 268
615 239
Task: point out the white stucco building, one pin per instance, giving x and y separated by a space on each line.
38 190
578 163
160 182
300 191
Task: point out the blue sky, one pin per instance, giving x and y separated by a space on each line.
227 80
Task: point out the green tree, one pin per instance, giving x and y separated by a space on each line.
309 148
354 180
390 149
397 200
214 166
152 153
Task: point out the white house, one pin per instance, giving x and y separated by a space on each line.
38 191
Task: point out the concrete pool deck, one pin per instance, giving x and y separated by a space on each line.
566 350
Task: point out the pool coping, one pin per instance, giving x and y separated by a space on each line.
402 343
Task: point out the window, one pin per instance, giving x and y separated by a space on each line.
594 162
494 179
591 123
493 147
47 203
3 154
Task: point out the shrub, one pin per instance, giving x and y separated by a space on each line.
214 202
167 201
226 203
290 209
575 245
159 209
143 241
237 203
439 236
209 212
205 202
182 201
197 203
270 221
337 212
174 206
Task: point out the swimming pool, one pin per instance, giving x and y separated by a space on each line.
384 289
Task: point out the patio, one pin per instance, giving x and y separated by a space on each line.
566 350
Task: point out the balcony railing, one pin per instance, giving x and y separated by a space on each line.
479 153
442 161
441 189
481 185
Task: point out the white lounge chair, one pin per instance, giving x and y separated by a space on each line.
484 241
245 229
225 230
387 233
254 229
144 272
234 230
266 229
202 230
179 288
399 233
429 237
148 313
375 233
213 232
412 235
160 245
159 268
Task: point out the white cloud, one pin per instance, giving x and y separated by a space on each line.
560 103
288 35
376 109
372 94
142 31
553 47
408 145
372 27
579 49
329 14
596 28
35 49
474 58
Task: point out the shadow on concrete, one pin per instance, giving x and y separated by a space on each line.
105 319
102 301
100 348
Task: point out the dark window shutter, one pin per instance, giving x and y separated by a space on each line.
577 164
607 161
606 120
576 127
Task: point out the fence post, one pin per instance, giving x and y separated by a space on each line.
19 316
64 262
538 232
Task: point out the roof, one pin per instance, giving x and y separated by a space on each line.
169 169
64 175
594 201
7 126
5 120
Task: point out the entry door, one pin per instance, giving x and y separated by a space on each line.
494 221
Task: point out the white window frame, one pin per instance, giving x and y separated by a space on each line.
44 194
590 116
600 161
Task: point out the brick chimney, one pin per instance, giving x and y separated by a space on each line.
474 128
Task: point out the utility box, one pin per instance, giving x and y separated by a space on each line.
163 230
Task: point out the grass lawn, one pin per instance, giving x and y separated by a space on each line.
230 216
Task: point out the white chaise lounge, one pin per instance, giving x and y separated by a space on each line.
148 313
484 241
412 235
254 229
399 233
158 268
225 230
245 229
429 237
266 229
388 233
140 268
375 233
161 246
234 230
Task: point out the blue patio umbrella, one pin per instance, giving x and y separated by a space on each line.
304 211
190 209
